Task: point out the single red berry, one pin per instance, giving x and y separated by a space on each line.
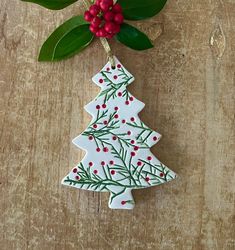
77 177
116 116
118 18
87 16
131 98
111 162
108 69
117 8
94 10
115 77
109 27
114 138
132 154
136 148
104 106
112 172
119 66
97 2
132 141
116 108
105 149
101 80
108 16
132 119
96 21
104 6
123 121
149 158
75 170
161 174
97 106
90 164
119 93
155 138
129 132
123 202
139 163
127 102
103 32
102 163
93 29
98 149
147 179
90 137
94 126
105 122
95 171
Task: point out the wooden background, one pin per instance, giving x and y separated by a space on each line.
187 83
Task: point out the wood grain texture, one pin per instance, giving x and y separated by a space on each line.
187 82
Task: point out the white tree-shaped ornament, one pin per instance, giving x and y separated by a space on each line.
117 143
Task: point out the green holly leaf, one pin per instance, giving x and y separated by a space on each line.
141 9
68 39
133 38
52 4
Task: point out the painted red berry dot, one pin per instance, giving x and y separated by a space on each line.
108 69
129 132
114 138
119 66
75 170
105 149
131 98
115 77
119 93
127 102
116 116
132 119
90 164
112 172
111 162
147 179
149 158
116 108
97 106
90 137
139 163
132 154
161 174
95 171
132 141
101 81
102 163
123 202
155 138
123 121
77 177
136 148
94 126
104 106
105 122
98 149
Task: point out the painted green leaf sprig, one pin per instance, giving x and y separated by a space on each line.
104 19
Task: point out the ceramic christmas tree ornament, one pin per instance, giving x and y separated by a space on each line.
117 143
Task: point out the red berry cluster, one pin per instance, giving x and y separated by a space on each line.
105 18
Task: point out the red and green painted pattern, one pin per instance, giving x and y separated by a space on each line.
117 143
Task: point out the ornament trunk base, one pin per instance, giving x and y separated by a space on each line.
123 200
